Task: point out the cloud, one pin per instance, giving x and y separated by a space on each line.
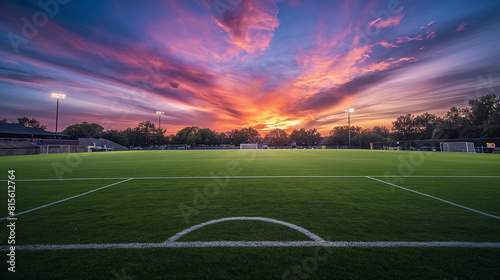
250 24
174 84
406 39
461 27
387 45
384 23
430 34
427 25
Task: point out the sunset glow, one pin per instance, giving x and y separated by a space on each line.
232 64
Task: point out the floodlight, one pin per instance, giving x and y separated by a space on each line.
349 111
159 113
59 95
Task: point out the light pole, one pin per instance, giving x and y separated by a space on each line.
159 113
58 96
349 111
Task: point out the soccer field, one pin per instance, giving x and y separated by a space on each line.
253 214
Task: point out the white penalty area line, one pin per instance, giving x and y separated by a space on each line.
198 244
252 177
433 197
66 199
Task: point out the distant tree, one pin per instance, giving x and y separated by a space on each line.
207 136
406 126
244 135
380 130
425 125
455 124
303 137
368 136
187 135
481 118
34 123
84 130
339 136
147 134
276 137
483 113
4 121
222 138
115 136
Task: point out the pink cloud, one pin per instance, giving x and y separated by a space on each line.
387 45
461 27
384 23
250 25
430 34
427 25
406 39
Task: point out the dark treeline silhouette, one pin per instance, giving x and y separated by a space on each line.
480 119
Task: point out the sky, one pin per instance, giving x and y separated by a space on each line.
227 64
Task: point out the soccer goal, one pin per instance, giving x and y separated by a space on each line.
457 147
249 146
55 149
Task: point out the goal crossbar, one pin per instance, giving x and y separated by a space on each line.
249 146
457 147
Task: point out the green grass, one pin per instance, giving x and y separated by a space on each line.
336 209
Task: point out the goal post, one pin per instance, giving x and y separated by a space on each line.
56 149
249 146
457 147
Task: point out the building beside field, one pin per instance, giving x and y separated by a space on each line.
19 140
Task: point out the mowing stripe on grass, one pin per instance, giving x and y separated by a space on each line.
62 200
292 226
198 244
255 177
437 198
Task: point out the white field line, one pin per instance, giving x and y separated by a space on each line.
292 226
253 177
437 198
318 241
198 244
62 200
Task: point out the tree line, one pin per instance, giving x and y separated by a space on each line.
481 118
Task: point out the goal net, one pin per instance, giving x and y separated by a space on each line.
249 146
457 147
55 149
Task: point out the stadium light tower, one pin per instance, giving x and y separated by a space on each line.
349 111
159 113
58 96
